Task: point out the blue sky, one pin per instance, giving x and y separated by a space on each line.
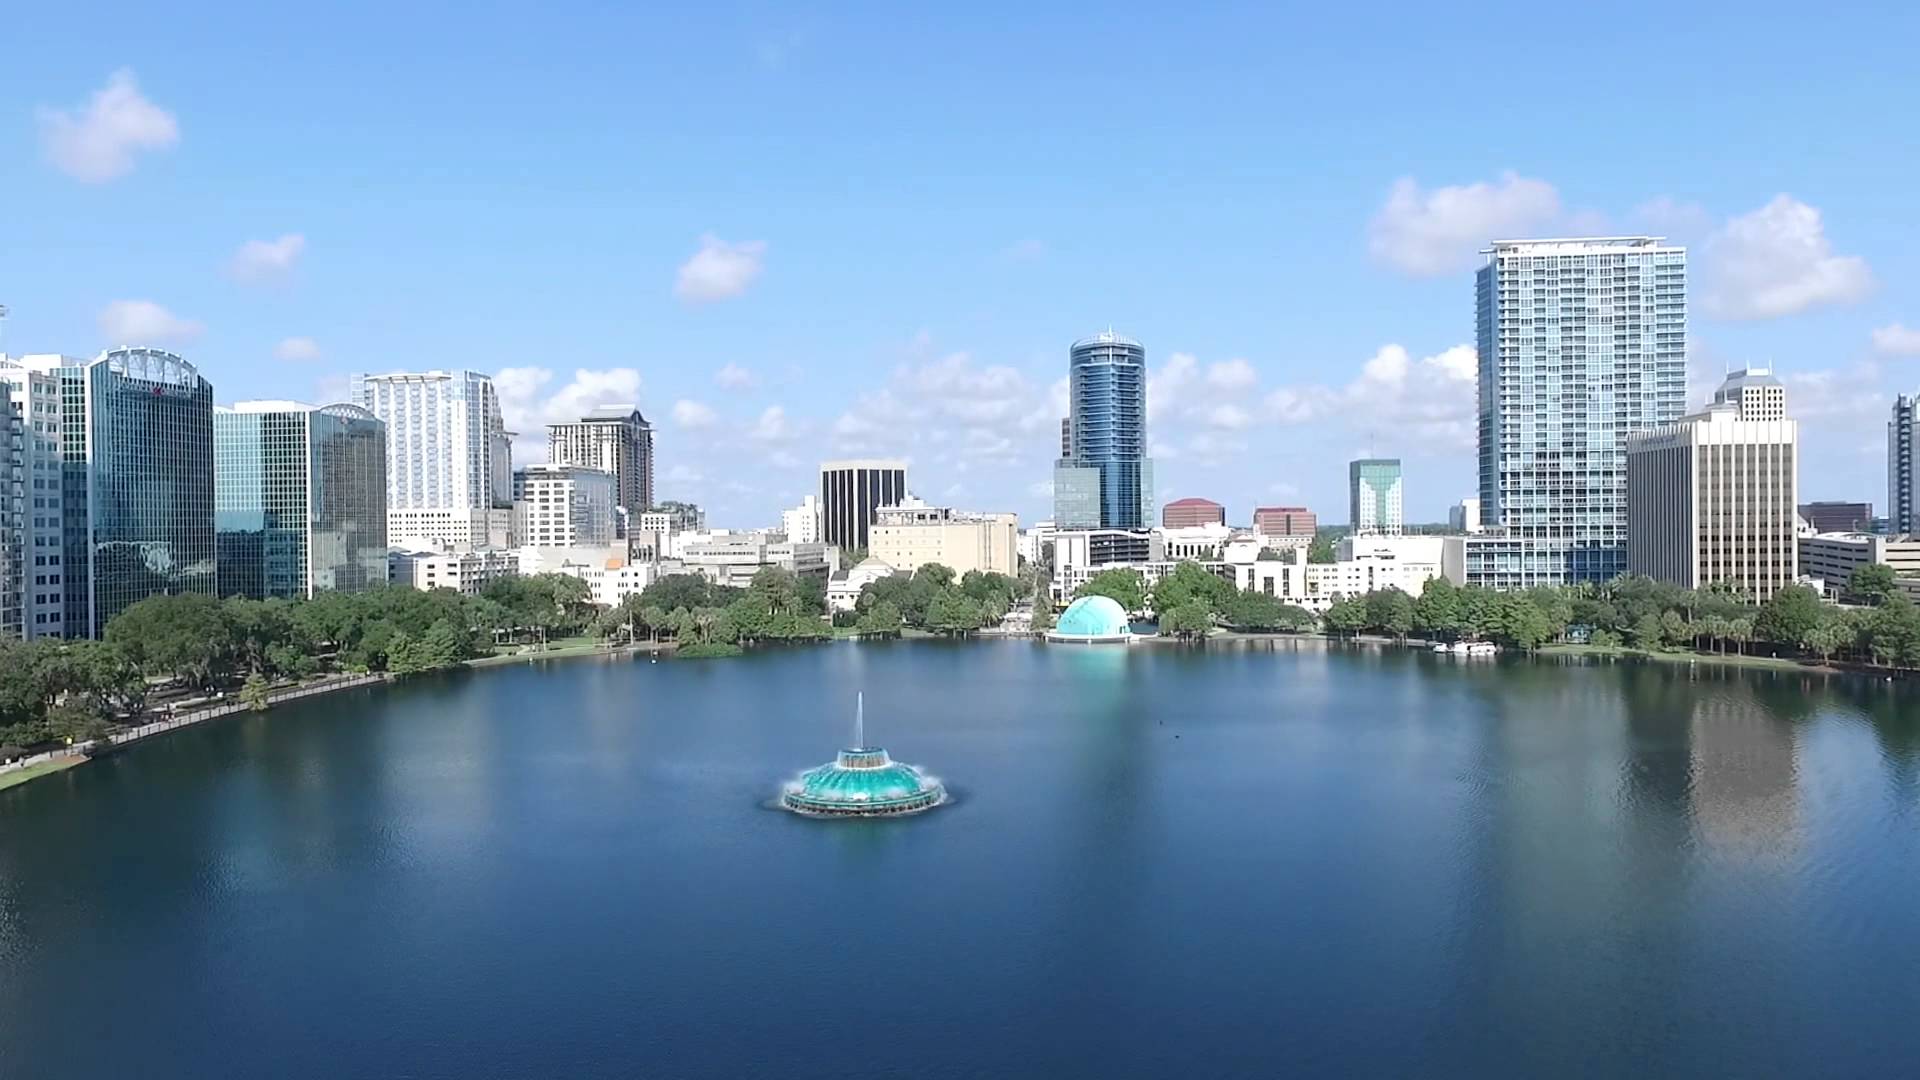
794 235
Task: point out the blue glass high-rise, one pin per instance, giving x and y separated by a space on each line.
1106 438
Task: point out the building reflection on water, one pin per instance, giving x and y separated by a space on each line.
1742 777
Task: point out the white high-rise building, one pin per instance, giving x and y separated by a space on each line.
802 523
449 457
32 589
1712 498
1581 341
566 506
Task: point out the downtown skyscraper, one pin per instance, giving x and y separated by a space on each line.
449 457
1104 479
1581 341
614 439
300 499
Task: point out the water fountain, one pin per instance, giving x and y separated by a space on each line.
862 781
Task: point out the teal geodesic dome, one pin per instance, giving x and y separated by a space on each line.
1093 617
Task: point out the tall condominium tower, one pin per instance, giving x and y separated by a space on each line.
1903 485
1373 496
449 457
32 506
1581 341
300 499
1104 478
1712 498
614 439
136 449
851 492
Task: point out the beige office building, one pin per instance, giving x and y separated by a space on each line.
1712 498
910 536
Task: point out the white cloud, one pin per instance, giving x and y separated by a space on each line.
719 270
692 414
971 412
266 260
1677 220
684 475
1778 261
1897 340
143 322
1228 417
297 348
98 141
1428 233
1235 374
773 426
1842 400
1425 404
784 459
529 406
735 377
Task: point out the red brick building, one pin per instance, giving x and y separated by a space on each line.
1185 513
1285 521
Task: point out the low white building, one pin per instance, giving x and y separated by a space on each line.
843 589
1201 543
1361 565
733 558
1833 557
466 572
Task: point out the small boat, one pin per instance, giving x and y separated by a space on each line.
1482 648
1460 648
1439 646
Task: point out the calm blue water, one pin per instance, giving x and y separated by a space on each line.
1162 862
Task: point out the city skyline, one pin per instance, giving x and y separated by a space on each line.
878 300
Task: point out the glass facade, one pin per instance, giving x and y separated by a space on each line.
301 499
1107 432
137 439
1374 496
1580 342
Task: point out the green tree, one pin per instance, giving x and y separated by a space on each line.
1190 618
1346 616
1122 585
185 635
1437 613
1390 611
1191 581
255 691
1259 612
880 620
1873 584
1789 617
1321 549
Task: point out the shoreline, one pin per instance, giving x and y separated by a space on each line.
52 762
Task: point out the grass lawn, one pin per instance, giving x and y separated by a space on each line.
1687 657
34 772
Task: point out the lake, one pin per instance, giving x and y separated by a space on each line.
1276 859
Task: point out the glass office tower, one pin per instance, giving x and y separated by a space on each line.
1107 432
1581 341
301 499
1374 496
136 440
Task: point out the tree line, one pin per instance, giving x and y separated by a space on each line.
1190 601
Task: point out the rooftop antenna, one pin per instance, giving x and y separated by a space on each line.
860 719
